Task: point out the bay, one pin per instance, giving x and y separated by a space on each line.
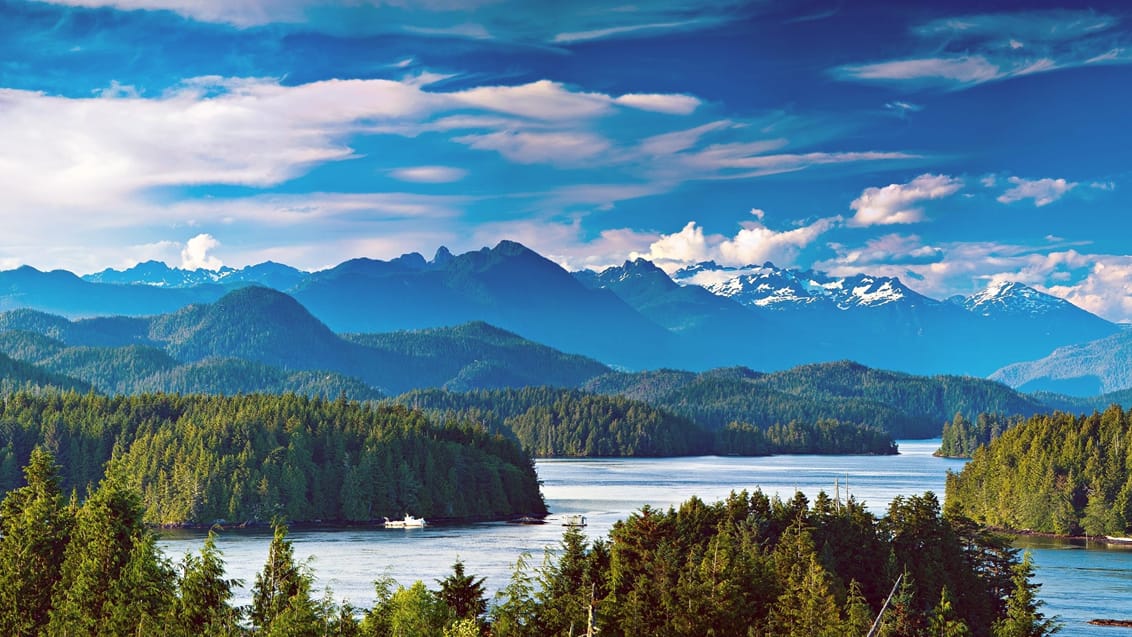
1078 583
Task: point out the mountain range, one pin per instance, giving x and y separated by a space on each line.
630 317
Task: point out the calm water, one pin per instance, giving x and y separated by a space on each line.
1079 583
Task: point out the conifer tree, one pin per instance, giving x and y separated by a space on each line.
202 606
35 527
281 597
463 593
113 580
1023 619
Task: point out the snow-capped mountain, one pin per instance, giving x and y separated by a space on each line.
770 287
1014 299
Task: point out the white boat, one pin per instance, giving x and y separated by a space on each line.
408 523
575 519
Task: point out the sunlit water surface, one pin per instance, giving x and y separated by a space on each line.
1078 583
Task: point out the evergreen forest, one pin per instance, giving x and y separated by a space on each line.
197 459
1056 473
552 422
746 566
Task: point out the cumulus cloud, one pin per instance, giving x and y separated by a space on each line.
754 243
195 254
681 248
900 203
892 249
1042 191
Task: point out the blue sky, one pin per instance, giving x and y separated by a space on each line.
952 145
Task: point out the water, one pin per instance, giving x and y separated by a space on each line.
1078 583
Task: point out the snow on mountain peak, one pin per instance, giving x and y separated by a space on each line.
1011 297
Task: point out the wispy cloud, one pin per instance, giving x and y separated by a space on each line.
968 50
1042 191
901 203
429 174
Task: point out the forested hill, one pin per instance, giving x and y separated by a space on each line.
201 347
553 422
901 404
1056 474
200 459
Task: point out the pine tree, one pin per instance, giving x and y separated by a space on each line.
35 527
281 597
463 593
113 580
202 605
943 621
1023 619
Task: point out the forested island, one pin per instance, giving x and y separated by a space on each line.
961 437
202 459
551 422
748 565
1056 473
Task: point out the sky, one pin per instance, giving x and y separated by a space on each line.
952 144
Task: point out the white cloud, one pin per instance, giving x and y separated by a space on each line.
672 104
429 174
196 255
1041 191
541 100
899 203
964 70
681 248
529 147
966 51
755 243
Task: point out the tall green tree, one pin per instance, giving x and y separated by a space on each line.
202 606
463 593
35 528
1023 619
113 579
281 597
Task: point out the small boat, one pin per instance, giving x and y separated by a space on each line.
408 523
574 520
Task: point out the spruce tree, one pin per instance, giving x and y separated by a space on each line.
35 527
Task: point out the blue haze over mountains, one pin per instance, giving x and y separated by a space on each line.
633 316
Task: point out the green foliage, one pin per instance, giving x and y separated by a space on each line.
202 606
559 422
902 405
1023 619
113 580
464 594
209 458
35 527
1056 473
961 437
281 597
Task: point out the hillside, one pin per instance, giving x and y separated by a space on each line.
257 339
1086 369
901 404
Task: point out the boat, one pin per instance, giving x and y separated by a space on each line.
574 520
408 523
526 519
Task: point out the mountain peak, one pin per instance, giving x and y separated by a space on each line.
1013 298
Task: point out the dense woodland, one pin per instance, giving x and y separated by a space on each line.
748 565
901 404
551 422
961 437
198 459
1056 473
